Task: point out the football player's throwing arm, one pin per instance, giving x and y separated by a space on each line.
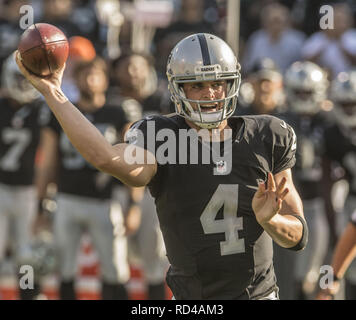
85 137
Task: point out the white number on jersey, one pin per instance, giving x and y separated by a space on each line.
20 139
226 195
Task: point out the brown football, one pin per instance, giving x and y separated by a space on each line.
43 48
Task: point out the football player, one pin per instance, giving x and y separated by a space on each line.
22 116
306 87
84 193
218 217
340 146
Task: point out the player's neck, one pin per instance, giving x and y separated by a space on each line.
220 133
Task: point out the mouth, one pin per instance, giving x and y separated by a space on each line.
209 107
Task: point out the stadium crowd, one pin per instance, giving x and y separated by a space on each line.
116 74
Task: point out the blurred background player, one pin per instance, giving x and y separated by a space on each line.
306 87
10 31
22 116
340 146
83 198
135 90
343 256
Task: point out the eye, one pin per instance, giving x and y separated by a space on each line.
217 84
196 85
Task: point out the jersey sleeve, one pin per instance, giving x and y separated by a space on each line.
143 133
284 144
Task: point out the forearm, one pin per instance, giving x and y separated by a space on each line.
93 146
285 230
345 251
84 136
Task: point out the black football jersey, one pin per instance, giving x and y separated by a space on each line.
76 176
340 146
308 171
19 138
216 248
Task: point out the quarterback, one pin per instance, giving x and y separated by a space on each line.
218 228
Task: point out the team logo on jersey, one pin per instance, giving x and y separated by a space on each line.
221 167
283 125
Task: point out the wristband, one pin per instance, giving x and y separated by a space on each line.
304 240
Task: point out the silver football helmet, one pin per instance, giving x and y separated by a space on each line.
306 87
343 95
197 58
15 84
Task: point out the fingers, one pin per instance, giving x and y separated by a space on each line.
18 60
22 68
271 185
261 189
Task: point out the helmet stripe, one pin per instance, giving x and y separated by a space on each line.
204 49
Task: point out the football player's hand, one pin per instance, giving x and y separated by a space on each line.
267 202
42 84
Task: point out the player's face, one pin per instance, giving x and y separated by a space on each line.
93 80
133 72
266 92
206 90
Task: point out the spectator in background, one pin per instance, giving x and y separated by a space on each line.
190 20
136 87
267 95
80 49
10 31
334 49
276 40
59 13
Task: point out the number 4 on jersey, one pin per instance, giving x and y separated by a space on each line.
226 195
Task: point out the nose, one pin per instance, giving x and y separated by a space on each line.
208 93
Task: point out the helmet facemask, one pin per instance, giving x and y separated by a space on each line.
193 110
16 86
343 94
306 85
305 101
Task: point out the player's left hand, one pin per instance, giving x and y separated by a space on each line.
266 203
